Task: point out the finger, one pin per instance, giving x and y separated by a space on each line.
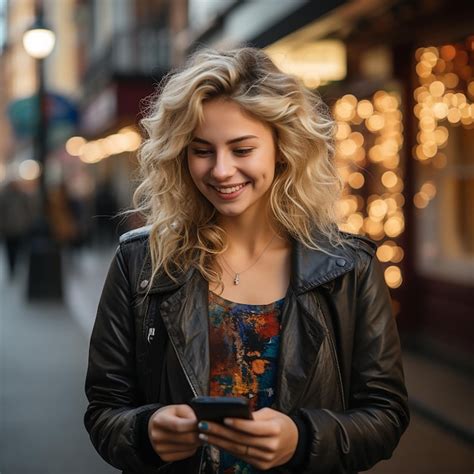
185 411
267 443
167 448
245 452
254 427
177 456
174 423
265 414
163 436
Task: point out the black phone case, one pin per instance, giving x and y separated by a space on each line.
218 408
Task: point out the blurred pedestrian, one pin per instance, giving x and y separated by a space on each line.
64 227
16 219
242 286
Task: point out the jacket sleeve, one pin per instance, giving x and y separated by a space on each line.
115 415
377 415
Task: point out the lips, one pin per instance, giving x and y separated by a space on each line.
229 192
229 189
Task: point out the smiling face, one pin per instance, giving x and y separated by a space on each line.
231 159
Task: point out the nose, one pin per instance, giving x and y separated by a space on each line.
223 167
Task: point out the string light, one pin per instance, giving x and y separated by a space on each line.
470 89
389 251
347 147
420 200
365 109
74 145
443 101
393 276
394 226
356 180
389 179
371 131
126 140
29 170
426 193
429 189
441 72
343 130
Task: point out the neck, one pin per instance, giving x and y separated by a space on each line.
247 234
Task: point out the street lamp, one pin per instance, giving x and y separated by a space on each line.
45 275
39 41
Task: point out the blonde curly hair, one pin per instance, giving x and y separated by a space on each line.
184 230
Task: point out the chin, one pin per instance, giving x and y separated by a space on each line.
228 212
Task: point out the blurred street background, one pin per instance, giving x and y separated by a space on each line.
398 76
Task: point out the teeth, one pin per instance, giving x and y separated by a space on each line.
233 189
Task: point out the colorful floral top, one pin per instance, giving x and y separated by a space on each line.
244 342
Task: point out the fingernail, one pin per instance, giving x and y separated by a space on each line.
202 437
228 422
202 425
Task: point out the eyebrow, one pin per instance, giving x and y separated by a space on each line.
234 140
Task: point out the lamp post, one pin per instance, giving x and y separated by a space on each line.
45 275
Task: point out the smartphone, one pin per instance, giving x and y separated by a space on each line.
218 408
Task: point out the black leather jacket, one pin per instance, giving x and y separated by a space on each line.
340 366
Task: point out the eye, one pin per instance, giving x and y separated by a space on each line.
201 152
243 151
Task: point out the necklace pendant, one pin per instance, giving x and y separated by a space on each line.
236 279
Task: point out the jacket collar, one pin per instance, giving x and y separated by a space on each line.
310 268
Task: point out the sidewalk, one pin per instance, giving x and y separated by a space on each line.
441 410
83 285
43 358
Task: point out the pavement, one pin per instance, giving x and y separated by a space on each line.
439 438
43 360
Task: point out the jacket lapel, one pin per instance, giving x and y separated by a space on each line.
301 340
303 327
185 314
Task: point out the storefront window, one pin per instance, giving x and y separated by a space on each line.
445 155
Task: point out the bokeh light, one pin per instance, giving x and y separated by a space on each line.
29 170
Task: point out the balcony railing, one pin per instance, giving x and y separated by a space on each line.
143 52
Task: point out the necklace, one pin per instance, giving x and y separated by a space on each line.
236 275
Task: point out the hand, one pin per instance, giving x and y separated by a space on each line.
173 432
267 441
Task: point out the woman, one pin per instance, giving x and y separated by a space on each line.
241 285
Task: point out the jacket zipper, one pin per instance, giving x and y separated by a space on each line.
339 377
183 369
146 322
